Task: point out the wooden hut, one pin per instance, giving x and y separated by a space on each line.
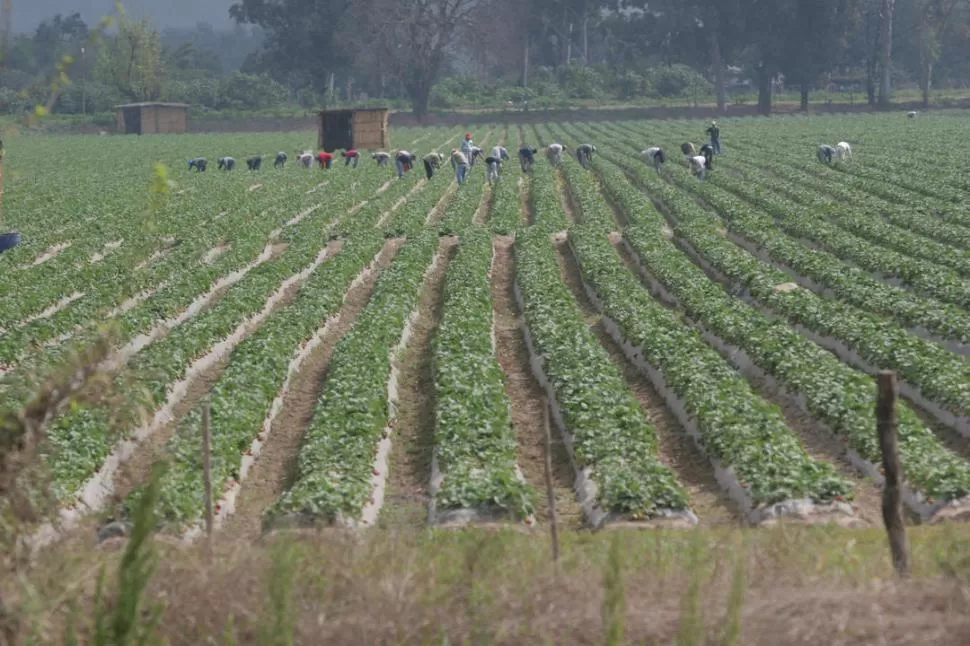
344 129
152 118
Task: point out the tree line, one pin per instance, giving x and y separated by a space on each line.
442 53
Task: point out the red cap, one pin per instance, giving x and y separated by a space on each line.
468 135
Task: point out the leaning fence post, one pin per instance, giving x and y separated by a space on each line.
553 522
207 469
892 508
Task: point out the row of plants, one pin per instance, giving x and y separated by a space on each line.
254 376
260 367
837 395
924 277
474 463
735 426
918 218
82 439
847 283
938 374
611 439
334 467
191 219
860 221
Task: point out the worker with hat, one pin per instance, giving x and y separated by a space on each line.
715 134
468 147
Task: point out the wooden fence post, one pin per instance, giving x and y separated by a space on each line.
892 508
553 522
207 470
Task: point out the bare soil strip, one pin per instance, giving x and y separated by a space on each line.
137 468
406 501
676 448
270 474
573 214
528 399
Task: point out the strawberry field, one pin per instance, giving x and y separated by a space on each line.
377 351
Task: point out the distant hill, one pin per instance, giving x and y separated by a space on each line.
163 13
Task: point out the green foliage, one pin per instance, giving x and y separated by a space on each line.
131 61
669 81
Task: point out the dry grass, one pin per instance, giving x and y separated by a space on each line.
800 586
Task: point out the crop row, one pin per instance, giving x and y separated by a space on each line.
244 217
860 221
335 466
474 467
756 454
613 445
257 370
83 439
826 272
261 367
834 393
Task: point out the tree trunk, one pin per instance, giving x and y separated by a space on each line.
585 41
805 90
421 97
569 45
525 64
718 65
927 82
764 90
886 55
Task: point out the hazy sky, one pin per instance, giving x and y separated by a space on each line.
164 13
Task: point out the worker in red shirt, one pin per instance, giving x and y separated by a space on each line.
351 157
325 160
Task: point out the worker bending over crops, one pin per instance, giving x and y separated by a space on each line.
493 164
382 158
460 163
199 164
656 155
226 163
527 157
584 155
351 157
554 152
404 161
432 162
254 163
281 158
325 159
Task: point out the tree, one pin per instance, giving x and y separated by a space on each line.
132 61
414 38
56 37
807 56
301 37
933 18
767 29
886 14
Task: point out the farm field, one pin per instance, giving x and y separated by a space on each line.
382 353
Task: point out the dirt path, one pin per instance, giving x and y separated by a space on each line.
676 449
527 398
270 474
406 501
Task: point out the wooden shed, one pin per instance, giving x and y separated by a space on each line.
364 128
152 118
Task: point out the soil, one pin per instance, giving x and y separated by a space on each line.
271 472
406 502
676 448
528 399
